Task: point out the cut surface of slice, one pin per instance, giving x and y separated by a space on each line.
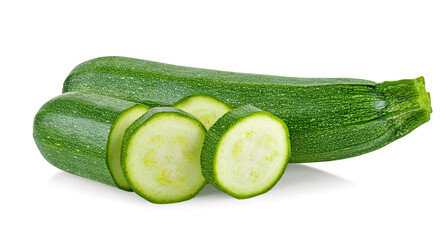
246 152
161 155
115 143
206 108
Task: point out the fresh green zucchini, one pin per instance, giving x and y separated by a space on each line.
245 152
206 108
161 155
328 118
82 134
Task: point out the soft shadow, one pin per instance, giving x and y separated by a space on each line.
209 190
92 188
297 179
300 178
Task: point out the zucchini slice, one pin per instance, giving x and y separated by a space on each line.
245 152
115 143
206 108
82 133
161 155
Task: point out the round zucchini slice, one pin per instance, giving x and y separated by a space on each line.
161 155
245 152
206 108
115 143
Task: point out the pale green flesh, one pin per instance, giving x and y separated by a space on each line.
115 143
163 158
251 156
205 108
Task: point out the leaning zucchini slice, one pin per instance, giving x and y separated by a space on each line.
206 108
115 143
161 155
245 152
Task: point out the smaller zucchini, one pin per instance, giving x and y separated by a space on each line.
82 134
245 152
206 108
161 155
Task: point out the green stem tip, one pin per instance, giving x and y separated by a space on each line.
408 104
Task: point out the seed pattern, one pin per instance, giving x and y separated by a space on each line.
170 153
248 151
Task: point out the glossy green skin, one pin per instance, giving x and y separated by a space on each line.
212 141
328 119
72 130
134 127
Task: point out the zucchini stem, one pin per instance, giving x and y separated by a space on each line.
407 104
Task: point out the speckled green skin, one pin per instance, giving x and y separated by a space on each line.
328 119
140 123
72 130
213 139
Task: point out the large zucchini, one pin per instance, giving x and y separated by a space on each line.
328 118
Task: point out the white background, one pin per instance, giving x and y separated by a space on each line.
396 192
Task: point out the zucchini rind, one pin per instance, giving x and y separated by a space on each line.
245 152
328 118
82 133
161 155
206 108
